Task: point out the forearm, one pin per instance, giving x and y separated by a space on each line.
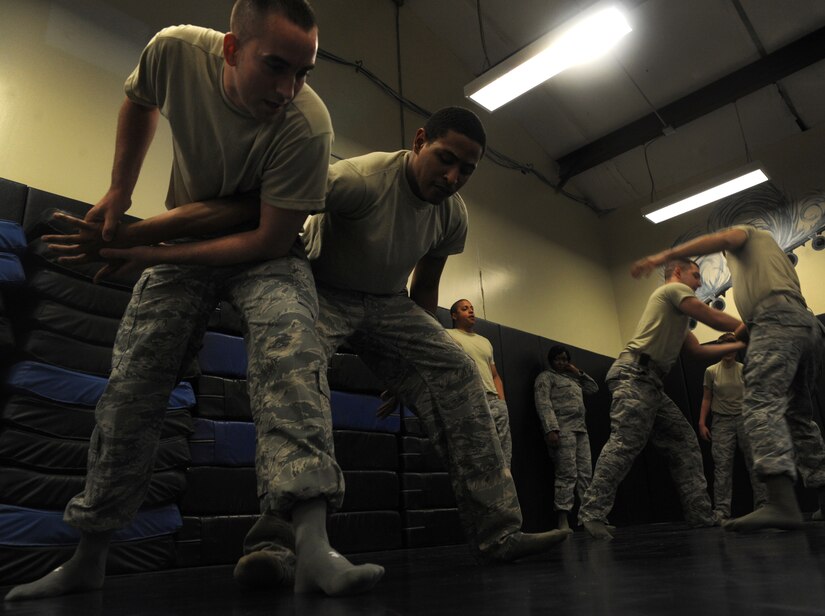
721 321
232 249
588 385
136 127
499 386
424 296
704 245
192 219
715 352
547 415
704 412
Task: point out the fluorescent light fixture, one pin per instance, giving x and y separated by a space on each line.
707 192
586 37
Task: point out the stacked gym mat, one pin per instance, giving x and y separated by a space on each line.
428 503
12 247
56 332
64 328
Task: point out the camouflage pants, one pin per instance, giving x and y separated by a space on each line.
728 432
572 467
782 364
162 328
640 411
501 417
413 355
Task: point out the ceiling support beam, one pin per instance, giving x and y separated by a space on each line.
770 69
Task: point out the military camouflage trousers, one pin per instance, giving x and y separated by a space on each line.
782 364
640 411
413 355
728 432
572 467
501 417
162 330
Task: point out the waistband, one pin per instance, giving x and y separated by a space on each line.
644 360
778 300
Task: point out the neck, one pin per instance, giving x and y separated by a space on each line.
408 173
467 329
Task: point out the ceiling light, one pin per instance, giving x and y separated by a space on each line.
585 37
707 192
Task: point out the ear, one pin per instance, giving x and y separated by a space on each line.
230 48
419 140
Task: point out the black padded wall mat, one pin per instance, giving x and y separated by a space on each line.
51 491
347 372
222 398
12 200
66 321
356 450
59 350
77 293
74 421
430 527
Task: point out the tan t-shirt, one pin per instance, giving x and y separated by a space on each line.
727 386
374 230
662 329
218 148
481 351
760 268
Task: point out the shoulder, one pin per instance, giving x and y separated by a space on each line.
190 37
455 208
373 163
310 113
675 292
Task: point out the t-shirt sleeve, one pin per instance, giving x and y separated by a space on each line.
296 176
747 229
146 86
346 189
455 235
677 292
708 382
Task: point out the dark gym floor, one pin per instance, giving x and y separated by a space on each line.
648 569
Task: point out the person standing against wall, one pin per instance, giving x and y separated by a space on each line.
481 351
558 393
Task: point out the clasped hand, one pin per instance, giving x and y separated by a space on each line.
86 245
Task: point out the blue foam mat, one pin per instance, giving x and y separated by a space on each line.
223 355
12 238
222 443
23 527
70 387
11 270
353 411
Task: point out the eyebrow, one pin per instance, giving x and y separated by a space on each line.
276 59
